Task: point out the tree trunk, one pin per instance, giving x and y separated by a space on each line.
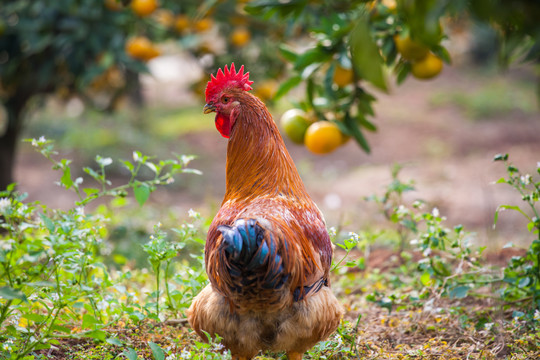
136 99
9 140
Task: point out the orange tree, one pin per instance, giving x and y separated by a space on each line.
87 46
99 47
48 46
353 43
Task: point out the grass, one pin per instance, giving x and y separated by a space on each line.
497 98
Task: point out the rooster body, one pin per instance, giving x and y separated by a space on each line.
268 253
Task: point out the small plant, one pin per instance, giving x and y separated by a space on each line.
161 251
53 280
522 275
449 265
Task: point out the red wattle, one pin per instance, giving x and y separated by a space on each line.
223 124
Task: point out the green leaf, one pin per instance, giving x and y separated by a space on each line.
98 335
130 354
459 292
114 341
510 207
155 169
88 321
157 351
93 174
9 293
426 279
354 130
287 86
500 157
91 191
49 224
66 178
316 55
524 282
402 69
366 58
35 317
142 193
288 53
368 125
41 346
60 328
128 165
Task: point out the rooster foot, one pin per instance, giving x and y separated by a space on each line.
294 355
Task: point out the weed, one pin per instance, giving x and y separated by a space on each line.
522 275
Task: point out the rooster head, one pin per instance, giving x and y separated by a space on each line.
222 92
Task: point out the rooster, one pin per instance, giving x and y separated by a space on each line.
268 253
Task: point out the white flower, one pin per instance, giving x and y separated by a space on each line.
219 346
526 179
5 203
488 326
103 305
332 231
193 214
414 242
435 212
536 315
7 245
427 252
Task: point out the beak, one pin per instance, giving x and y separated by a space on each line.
208 108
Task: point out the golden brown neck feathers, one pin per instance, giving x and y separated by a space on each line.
258 162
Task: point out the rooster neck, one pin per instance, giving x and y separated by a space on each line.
258 162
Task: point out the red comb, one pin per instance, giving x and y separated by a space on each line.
227 78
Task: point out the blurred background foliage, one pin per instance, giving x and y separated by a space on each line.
341 52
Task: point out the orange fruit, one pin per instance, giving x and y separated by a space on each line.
181 23
240 36
410 49
141 48
203 25
295 123
144 7
390 4
164 17
323 137
113 5
266 89
342 76
427 68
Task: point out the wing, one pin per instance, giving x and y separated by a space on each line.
270 251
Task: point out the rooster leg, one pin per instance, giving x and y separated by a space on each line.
294 355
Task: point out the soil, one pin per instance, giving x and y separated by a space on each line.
447 154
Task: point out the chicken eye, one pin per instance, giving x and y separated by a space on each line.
225 99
